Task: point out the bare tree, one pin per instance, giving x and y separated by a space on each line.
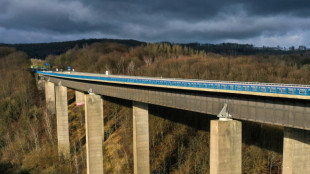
48 126
131 67
147 60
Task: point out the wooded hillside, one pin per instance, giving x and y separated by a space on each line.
41 50
179 140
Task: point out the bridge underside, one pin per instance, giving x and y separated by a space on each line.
278 111
225 136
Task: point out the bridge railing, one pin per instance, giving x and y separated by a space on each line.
288 89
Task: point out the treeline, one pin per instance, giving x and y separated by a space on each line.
118 58
234 49
42 50
183 62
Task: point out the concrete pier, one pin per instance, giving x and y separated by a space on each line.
141 149
225 147
62 121
40 82
41 85
50 98
79 98
94 133
296 151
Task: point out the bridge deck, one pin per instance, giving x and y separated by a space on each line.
279 109
293 91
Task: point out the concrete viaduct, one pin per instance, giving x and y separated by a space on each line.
284 105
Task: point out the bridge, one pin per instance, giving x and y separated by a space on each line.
286 105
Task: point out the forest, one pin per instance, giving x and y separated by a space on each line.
179 140
41 50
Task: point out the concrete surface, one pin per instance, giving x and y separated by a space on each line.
296 151
62 121
50 98
94 133
225 147
79 98
141 149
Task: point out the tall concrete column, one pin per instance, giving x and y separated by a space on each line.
79 98
141 149
40 82
94 133
50 98
296 151
225 147
62 121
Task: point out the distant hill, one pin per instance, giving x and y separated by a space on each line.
41 50
235 49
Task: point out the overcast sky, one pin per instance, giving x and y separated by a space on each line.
258 22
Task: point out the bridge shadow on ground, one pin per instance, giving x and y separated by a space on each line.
265 136
8 168
173 131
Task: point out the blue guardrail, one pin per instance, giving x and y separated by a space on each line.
236 86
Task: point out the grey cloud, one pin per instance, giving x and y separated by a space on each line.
299 8
47 16
154 20
4 7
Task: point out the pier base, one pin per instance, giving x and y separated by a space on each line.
225 147
94 133
296 151
62 121
141 149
